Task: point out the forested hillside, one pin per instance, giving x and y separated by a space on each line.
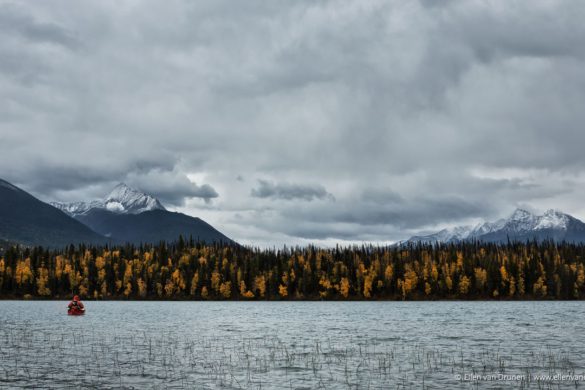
189 270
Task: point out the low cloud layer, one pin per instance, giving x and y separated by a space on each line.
299 121
287 191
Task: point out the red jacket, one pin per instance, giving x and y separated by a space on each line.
77 304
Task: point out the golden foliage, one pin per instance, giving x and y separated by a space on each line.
282 291
225 289
260 285
464 284
344 287
42 281
518 271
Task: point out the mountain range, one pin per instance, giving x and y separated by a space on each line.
124 215
522 225
129 215
121 200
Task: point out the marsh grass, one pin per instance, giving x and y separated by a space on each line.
42 359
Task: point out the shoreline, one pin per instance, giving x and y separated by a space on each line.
524 299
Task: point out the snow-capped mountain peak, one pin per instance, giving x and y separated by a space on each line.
521 224
123 191
125 199
553 219
520 220
122 199
521 215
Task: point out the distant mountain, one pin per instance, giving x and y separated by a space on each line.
129 215
520 226
26 220
150 226
123 200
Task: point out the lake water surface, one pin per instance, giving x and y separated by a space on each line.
295 345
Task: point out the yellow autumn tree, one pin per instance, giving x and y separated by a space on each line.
225 289
215 281
128 290
448 282
388 274
434 272
344 287
42 281
282 291
194 284
539 288
260 285
244 292
23 272
368 280
326 284
410 281
170 287
428 288
464 284
178 280
480 278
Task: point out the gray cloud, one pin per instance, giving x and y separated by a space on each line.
15 20
367 220
288 191
171 187
412 115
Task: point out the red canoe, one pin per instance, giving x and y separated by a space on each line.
76 312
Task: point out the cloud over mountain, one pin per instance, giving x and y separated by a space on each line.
459 110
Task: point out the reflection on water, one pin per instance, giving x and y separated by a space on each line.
292 344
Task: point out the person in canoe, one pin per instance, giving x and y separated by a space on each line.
75 307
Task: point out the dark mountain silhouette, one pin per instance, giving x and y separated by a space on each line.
26 220
150 226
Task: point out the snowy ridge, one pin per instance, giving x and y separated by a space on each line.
123 200
553 220
488 227
520 223
76 208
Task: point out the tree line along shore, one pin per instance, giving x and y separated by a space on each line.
188 270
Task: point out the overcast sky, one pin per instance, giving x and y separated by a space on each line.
299 121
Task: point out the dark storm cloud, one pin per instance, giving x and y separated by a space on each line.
412 114
288 191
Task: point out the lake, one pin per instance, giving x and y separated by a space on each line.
298 345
